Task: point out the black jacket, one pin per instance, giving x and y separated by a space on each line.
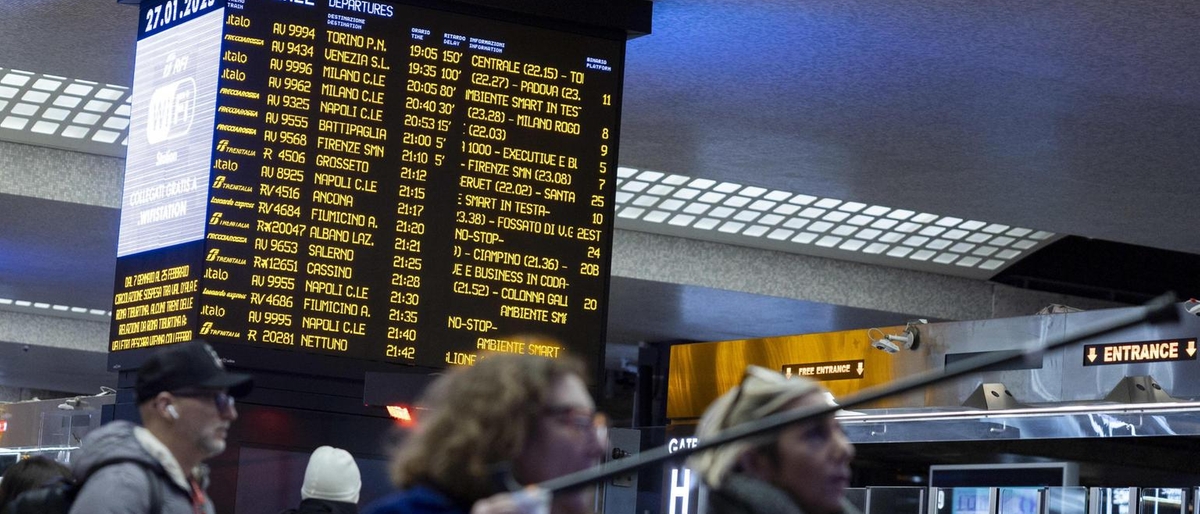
315 506
741 494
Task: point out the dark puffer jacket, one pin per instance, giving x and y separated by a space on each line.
315 506
741 494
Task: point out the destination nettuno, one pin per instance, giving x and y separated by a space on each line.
352 129
324 342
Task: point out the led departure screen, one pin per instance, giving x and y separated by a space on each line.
367 179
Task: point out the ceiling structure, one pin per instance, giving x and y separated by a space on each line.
1079 122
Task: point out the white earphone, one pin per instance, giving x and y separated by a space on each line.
172 412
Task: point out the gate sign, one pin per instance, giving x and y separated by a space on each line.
836 370
1145 351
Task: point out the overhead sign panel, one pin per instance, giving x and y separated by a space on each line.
1145 351
368 179
835 370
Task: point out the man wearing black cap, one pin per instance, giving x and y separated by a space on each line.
185 398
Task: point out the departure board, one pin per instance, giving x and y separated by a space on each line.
368 179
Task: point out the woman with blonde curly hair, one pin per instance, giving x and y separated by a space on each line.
530 416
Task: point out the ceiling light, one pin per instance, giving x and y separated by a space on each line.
756 231
14 122
682 220
852 245
781 234
656 216
968 261
15 78
45 127
832 227
78 89
732 227
829 241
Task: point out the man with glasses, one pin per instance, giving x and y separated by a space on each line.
510 421
803 468
185 398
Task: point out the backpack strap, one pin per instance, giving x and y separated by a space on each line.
155 491
155 485
113 461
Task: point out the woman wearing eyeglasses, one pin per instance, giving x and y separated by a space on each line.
801 469
525 418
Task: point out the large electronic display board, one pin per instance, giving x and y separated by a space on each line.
368 179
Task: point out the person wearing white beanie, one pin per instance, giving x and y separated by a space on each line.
331 483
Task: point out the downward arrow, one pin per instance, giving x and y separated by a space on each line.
1091 355
860 368
1191 348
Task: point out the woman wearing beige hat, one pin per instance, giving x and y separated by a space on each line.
802 469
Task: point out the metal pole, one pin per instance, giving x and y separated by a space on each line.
1157 310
